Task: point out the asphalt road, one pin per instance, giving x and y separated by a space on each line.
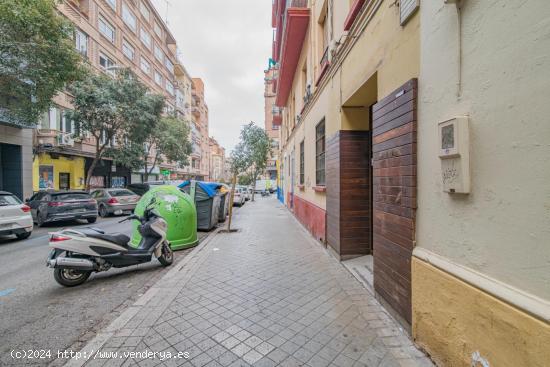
38 314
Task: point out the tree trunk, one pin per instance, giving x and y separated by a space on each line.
97 157
254 175
233 184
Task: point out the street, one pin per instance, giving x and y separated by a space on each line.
38 313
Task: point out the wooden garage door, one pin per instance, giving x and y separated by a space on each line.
394 188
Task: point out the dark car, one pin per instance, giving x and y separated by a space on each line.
51 206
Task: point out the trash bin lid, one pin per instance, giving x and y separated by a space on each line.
210 188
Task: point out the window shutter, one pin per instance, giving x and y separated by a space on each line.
406 9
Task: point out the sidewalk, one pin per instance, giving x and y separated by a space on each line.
265 296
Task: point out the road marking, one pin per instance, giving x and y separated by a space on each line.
5 292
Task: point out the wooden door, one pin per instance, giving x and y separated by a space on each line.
394 191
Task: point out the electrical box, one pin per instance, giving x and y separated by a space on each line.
454 152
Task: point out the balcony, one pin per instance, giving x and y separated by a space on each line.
77 8
295 24
324 64
353 13
277 115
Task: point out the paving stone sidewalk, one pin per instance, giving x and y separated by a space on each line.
265 296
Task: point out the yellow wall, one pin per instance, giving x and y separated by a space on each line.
452 320
73 165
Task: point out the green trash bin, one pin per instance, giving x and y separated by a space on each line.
177 209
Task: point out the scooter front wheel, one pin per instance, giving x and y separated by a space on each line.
167 257
70 277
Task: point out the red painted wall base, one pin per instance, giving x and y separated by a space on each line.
312 217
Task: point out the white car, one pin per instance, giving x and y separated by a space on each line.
238 197
15 217
245 192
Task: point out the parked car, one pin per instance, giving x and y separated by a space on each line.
115 201
142 188
15 217
238 197
245 192
51 206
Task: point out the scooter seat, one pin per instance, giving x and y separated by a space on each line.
117 238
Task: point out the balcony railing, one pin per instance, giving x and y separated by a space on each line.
324 64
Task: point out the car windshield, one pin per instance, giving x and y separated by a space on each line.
9 200
70 196
119 193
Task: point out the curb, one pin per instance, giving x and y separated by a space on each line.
171 284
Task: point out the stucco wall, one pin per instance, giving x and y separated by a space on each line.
502 228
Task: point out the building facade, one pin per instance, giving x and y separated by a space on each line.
217 161
200 159
108 34
15 159
270 114
420 148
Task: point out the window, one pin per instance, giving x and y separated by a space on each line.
107 29
145 66
128 50
107 64
159 55
158 29
129 17
81 42
320 154
67 125
169 65
158 78
302 163
170 87
145 38
51 119
112 3
144 10
169 109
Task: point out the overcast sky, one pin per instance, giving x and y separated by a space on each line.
227 44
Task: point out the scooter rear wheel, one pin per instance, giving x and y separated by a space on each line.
69 277
167 257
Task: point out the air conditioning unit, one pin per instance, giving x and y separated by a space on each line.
66 140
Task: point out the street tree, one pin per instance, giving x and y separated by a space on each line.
37 58
111 109
258 149
168 142
240 163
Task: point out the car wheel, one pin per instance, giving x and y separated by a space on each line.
103 211
91 220
23 236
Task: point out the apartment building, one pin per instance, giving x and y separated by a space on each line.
417 152
200 159
217 161
108 34
270 112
